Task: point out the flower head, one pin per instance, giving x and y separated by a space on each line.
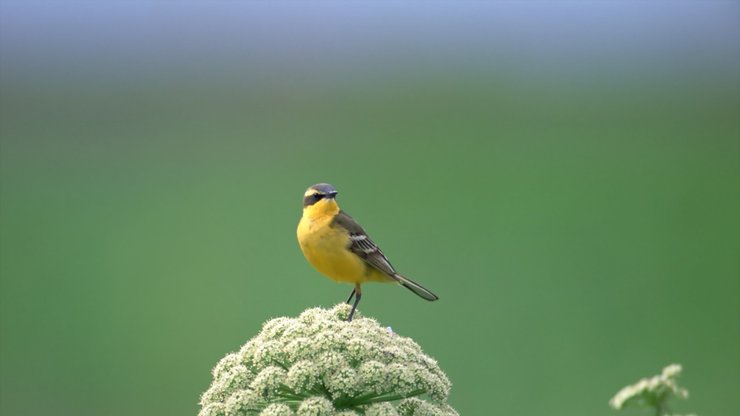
317 364
653 391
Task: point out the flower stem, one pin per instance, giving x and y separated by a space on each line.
375 398
659 408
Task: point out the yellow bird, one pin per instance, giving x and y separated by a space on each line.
338 247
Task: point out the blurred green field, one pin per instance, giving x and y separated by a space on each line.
578 240
580 234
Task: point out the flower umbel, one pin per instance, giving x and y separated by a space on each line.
652 392
319 364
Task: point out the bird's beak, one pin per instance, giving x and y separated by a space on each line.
331 195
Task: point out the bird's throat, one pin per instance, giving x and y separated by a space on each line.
321 209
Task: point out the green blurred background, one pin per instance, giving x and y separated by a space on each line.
565 175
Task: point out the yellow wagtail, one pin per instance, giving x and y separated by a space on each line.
337 246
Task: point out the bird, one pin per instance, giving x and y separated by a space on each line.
338 247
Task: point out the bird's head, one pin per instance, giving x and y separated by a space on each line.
319 200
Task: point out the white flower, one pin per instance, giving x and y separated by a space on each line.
652 391
672 371
268 381
381 409
303 376
277 409
318 364
342 382
416 407
316 406
242 401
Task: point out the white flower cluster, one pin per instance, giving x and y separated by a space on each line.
320 365
652 391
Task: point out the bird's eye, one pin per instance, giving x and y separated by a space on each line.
317 196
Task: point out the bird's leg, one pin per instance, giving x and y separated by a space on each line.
358 295
351 295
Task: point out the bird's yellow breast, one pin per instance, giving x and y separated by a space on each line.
327 249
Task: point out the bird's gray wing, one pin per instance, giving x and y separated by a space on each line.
363 246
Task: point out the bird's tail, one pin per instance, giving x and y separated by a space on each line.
415 287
